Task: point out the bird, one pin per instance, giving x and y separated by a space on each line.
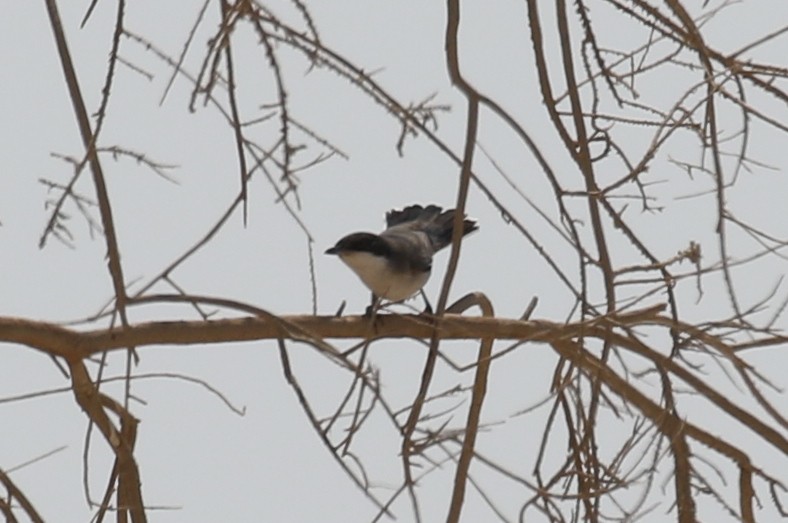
397 263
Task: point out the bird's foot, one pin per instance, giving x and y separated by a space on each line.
369 311
374 307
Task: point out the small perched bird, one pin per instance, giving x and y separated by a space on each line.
396 263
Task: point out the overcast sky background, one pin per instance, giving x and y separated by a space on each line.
195 454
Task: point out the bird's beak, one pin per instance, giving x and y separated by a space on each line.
332 250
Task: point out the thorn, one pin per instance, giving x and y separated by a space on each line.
341 309
427 306
530 309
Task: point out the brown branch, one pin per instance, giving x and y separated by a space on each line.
474 412
233 101
15 494
466 168
310 414
88 140
75 344
93 403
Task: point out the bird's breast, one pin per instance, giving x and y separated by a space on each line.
382 278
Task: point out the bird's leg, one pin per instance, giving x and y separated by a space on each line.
372 306
428 307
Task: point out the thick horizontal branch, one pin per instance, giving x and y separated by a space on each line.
70 343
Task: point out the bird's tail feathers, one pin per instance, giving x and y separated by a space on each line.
441 229
412 213
437 223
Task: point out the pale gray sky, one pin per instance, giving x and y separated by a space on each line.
201 462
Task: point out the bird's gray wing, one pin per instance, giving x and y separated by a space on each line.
411 249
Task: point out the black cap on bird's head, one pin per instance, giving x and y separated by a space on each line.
360 242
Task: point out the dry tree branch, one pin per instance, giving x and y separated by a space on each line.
94 403
16 495
129 483
452 59
305 406
587 382
80 111
474 412
232 99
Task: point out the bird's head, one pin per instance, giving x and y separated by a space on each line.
360 242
